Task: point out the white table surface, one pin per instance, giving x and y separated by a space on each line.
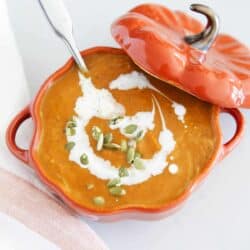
217 216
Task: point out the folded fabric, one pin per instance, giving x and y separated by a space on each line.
44 215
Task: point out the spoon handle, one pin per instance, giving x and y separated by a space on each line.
60 21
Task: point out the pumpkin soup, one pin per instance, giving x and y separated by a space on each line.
120 137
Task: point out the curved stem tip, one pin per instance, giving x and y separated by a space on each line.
204 40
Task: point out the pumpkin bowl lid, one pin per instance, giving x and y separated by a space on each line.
179 50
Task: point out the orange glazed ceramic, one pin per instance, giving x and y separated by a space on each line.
62 175
160 40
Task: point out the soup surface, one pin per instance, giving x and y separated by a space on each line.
121 137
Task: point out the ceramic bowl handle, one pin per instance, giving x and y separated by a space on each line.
240 127
20 153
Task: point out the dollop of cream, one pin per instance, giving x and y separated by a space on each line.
100 103
173 169
138 80
180 111
131 80
96 102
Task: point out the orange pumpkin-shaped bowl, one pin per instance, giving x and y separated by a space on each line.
140 211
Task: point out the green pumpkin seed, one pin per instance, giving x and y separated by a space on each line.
69 146
99 144
71 124
115 120
117 191
137 155
123 172
124 146
139 135
130 129
113 146
138 164
96 131
99 200
90 186
84 159
113 182
108 138
130 154
70 131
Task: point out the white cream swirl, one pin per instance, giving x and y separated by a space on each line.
100 103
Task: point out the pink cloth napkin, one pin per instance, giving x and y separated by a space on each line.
44 215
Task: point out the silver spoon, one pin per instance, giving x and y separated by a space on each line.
60 20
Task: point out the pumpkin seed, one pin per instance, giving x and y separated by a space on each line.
90 186
113 182
96 131
99 144
84 159
108 138
123 172
69 146
130 129
115 120
138 164
71 124
117 191
130 154
70 131
124 145
139 135
113 146
137 155
99 200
